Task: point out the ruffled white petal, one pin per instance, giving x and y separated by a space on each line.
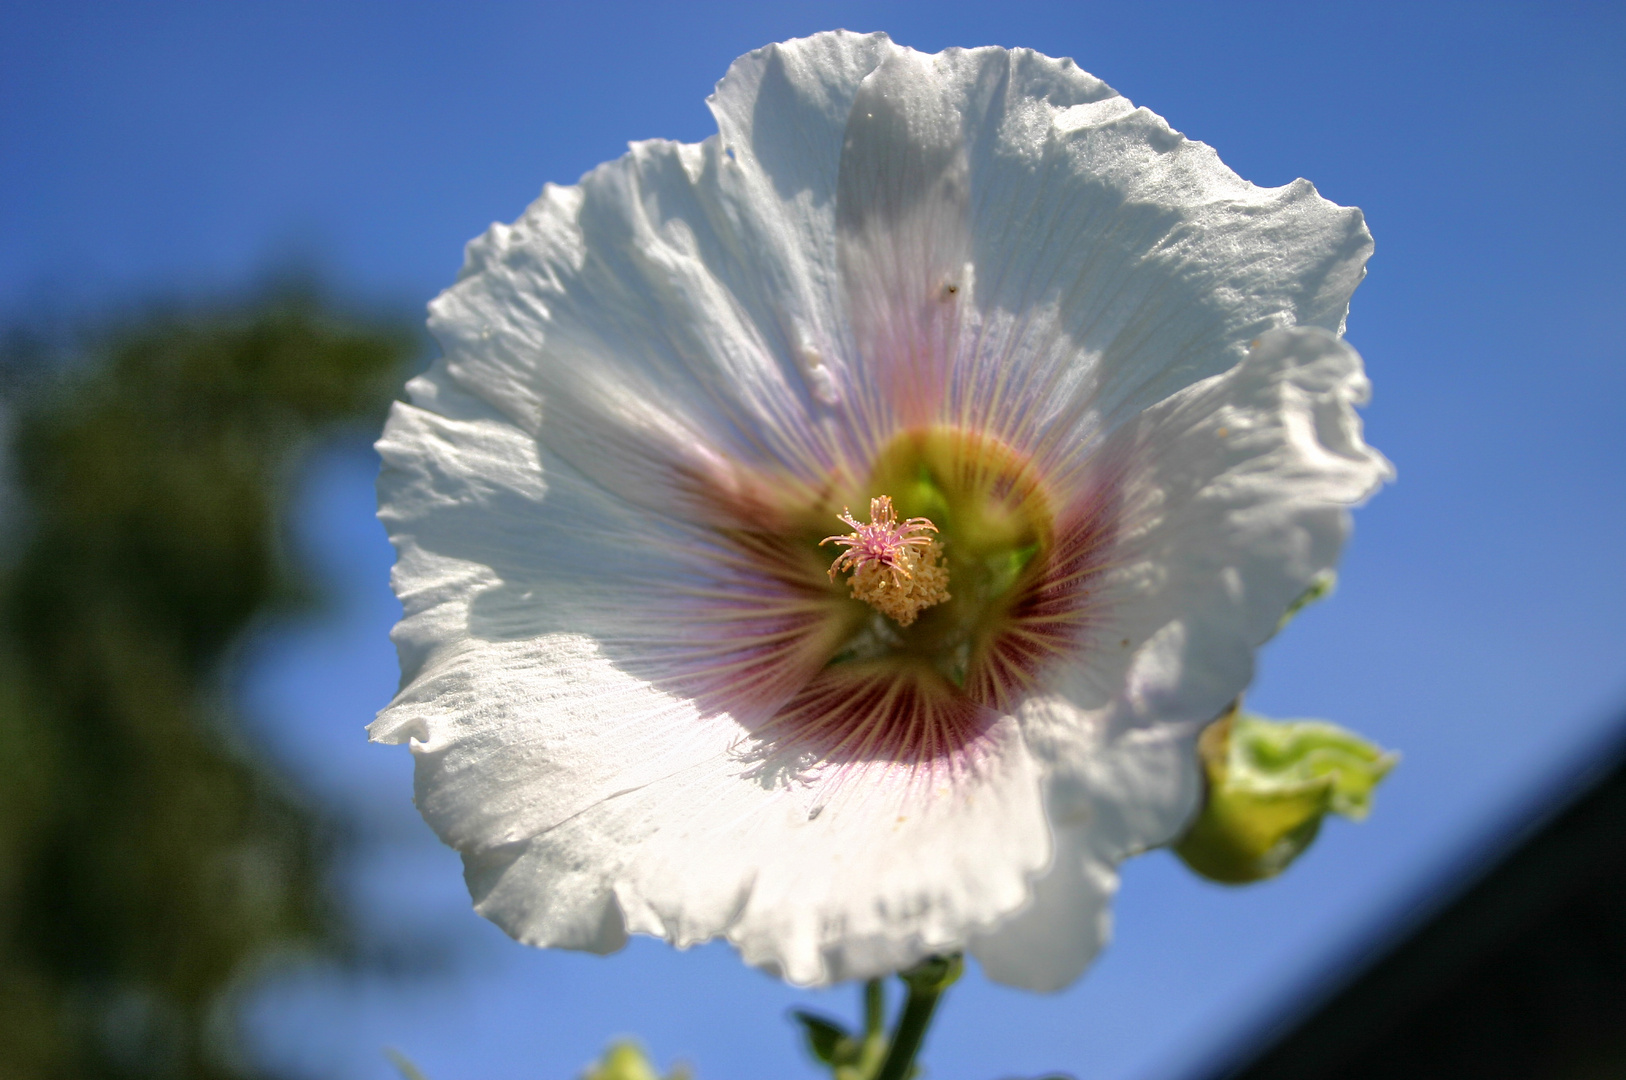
1027 254
679 305
1131 791
515 584
1119 261
997 230
1067 920
1236 494
861 884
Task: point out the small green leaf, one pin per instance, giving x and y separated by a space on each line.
828 1041
403 1064
1270 784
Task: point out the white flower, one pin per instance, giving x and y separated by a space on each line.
980 284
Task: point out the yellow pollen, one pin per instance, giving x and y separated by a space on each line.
924 582
896 568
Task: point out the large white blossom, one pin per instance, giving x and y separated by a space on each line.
1101 368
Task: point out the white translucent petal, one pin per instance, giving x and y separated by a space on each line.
677 307
1235 498
516 589
878 237
1119 261
813 881
1068 919
1132 791
910 206
1026 253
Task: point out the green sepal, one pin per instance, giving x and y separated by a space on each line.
934 974
1269 785
1321 587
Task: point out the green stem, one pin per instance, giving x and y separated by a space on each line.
874 1008
926 983
911 1032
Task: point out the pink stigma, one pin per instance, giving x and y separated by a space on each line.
884 543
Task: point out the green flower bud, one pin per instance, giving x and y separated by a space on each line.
626 1061
1269 785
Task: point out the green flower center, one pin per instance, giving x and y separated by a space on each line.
995 527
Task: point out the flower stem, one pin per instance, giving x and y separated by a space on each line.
926 982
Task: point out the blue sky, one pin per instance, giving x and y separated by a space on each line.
160 149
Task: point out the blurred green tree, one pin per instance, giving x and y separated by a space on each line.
150 861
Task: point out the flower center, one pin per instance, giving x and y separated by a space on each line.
978 517
896 567
889 663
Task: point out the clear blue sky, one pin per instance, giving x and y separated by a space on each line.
161 148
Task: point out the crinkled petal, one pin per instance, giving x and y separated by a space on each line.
669 314
812 881
879 238
1026 254
1237 490
518 717
1135 790
1117 262
1068 919
1235 495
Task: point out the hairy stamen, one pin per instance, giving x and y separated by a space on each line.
896 566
